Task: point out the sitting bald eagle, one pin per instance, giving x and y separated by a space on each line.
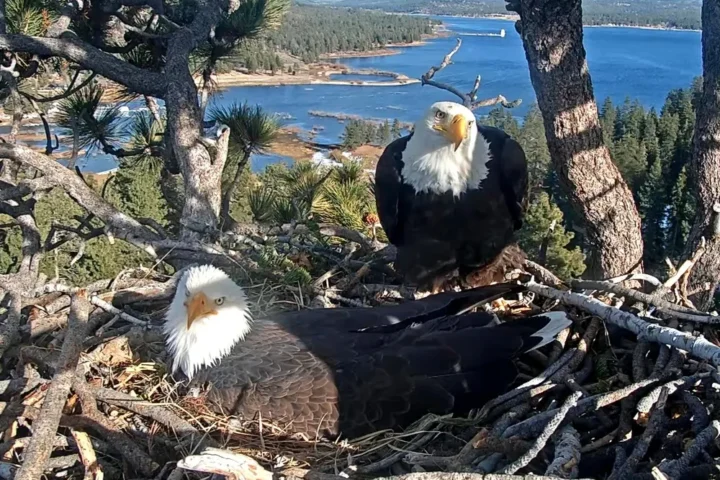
450 197
316 371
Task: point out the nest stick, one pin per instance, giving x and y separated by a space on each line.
146 409
44 428
533 425
547 432
656 420
567 454
697 346
678 468
668 308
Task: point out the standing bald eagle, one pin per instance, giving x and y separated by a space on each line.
450 196
315 371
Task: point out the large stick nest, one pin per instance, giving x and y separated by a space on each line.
598 403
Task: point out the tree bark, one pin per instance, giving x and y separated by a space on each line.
202 173
705 166
75 144
552 36
228 221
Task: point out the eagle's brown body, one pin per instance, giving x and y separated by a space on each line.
312 370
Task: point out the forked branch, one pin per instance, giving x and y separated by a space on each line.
468 99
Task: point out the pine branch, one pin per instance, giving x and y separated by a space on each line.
136 79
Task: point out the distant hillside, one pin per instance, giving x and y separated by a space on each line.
308 32
666 13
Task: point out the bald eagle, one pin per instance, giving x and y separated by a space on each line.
450 197
316 371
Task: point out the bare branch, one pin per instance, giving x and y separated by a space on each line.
670 309
468 99
45 427
500 99
26 187
446 61
697 346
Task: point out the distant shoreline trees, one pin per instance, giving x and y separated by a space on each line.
309 32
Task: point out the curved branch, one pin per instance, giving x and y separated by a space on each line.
136 79
70 91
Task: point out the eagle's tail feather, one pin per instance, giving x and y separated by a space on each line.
473 365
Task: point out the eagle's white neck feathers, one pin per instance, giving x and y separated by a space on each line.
210 336
432 164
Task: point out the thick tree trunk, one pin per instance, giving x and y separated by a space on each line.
228 221
705 171
552 35
202 174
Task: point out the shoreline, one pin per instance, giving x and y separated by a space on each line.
508 17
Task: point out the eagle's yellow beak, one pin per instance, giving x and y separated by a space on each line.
198 306
456 131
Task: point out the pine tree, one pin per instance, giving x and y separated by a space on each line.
650 137
608 115
682 212
386 133
651 203
631 158
532 139
395 130
543 227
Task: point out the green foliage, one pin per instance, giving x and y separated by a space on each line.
670 13
297 277
652 153
544 224
532 138
80 111
28 17
262 204
250 20
100 259
145 133
251 128
367 132
135 189
310 32
345 203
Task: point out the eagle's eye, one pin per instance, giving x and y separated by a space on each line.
471 123
220 300
187 293
440 114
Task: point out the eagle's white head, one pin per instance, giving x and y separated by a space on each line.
207 317
446 151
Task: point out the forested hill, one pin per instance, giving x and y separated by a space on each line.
668 13
311 31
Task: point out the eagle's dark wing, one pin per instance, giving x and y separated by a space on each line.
392 317
513 171
390 190
355 383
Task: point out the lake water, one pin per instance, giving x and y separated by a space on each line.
639 63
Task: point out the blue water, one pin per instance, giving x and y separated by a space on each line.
624 62
639 63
